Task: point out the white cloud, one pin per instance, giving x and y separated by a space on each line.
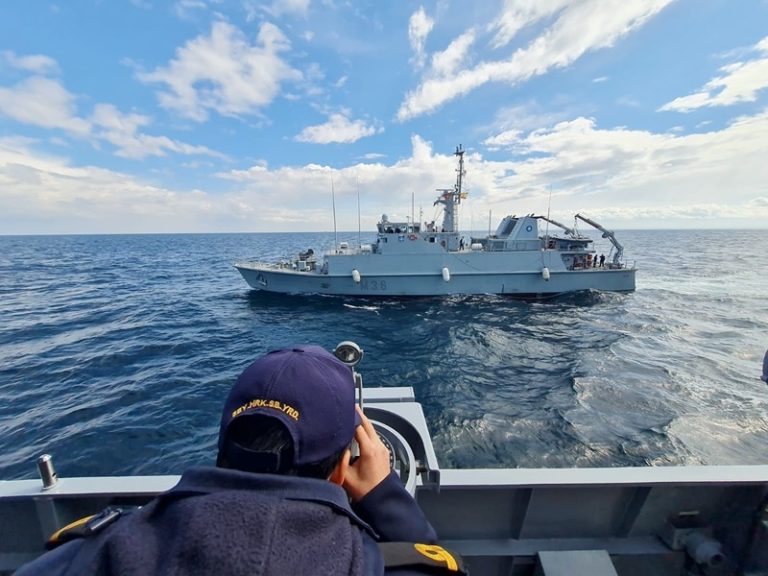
255 8
225 73
185 8
47 194
121 130
312 83
42 102
445 63
281 7
338 128
507 139
510 123
740 82
622 173
579 27
36 63
624 178
252 9
419 27
301 195
517 14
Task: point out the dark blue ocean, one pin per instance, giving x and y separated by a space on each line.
116 353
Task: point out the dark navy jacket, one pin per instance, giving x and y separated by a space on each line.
218 521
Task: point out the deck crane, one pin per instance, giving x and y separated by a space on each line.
569 231
606 234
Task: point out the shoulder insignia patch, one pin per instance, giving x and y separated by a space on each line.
414 554
438 554
84 527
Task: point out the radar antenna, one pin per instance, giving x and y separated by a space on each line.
459 174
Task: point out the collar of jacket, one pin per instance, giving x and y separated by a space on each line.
209 479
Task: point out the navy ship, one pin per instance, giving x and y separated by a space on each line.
654 521
427 259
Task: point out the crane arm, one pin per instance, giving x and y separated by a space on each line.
569 231
606 234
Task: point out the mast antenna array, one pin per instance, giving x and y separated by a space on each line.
459 174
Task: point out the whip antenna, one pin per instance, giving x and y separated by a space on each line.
359 237
549 205
333 200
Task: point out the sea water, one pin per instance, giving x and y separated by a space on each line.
116 353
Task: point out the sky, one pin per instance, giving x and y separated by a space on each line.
149 116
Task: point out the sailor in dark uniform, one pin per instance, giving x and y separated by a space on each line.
284 498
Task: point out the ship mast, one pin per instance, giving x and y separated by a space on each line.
451 198
459 173
457 193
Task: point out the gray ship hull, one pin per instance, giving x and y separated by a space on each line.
266 277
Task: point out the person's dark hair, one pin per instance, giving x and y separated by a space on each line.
269 436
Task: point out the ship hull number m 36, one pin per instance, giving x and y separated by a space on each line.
373 285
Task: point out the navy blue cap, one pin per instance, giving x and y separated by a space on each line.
308 390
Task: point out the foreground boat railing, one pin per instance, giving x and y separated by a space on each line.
654 520
588 522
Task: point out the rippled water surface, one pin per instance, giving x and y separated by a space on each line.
116 353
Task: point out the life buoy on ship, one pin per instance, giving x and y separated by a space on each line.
412 237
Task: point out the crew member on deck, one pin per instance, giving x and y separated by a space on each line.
285 496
